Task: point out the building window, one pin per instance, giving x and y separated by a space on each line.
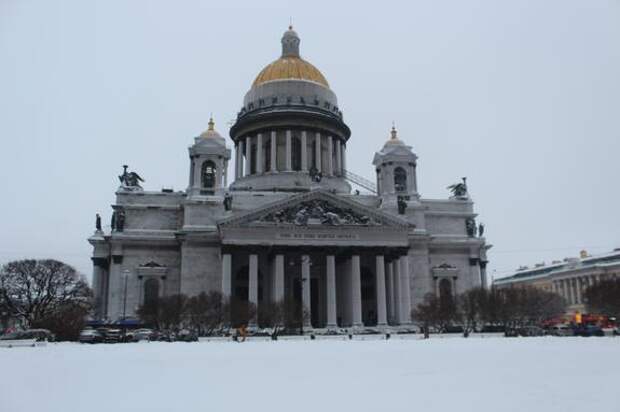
445 289
151 291
400 179
296 154
208 174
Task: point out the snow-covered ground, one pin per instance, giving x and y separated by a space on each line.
491 374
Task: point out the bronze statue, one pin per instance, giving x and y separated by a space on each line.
470 227
131 179
480 230
459 189
228 201
402 205
120 220
98 222
315 175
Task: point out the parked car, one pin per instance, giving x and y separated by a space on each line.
589 330
91 336
112 335
141 335
40 335
560 330
167 336
531 331
29 337
187 336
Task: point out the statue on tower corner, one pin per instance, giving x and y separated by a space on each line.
98 222
402 205
470 227
459 190
481 229
130 180
228 201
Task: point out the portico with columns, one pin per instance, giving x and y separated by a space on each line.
338 272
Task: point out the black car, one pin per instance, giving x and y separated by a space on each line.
589 330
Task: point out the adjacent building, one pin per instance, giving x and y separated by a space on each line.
287 224
569 277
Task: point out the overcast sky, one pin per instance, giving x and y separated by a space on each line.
522 97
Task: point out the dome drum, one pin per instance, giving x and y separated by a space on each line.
269 119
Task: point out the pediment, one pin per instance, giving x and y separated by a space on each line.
315 209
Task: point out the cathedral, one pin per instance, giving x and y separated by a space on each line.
289 224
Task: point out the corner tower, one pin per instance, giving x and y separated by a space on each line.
290 135
209 158
395 165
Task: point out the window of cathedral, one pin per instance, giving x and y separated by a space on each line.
267 154
296 153
445 289
400 179
151 291
208 174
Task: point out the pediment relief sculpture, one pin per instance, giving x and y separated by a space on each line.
318 212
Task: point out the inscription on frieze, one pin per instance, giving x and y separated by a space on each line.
317 236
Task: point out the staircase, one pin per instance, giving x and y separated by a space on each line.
360 181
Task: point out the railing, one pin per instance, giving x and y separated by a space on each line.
360 181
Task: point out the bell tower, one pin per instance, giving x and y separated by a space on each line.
209 158
395 165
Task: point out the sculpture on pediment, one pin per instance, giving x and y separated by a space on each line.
130 180
459 190
318 212
301 217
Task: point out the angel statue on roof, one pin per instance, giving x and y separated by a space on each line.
459 189
129 180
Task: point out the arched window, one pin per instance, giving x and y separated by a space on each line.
400 179
151 291
208 174
445 289
267 155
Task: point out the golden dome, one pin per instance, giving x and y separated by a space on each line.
290 68
394 140
210 133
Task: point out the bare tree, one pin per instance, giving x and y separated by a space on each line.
241 312
206 312
33 290
425 314
470 309
166 313
604 297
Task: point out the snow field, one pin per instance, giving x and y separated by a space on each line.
493 374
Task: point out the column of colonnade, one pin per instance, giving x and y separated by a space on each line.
392 287
250 157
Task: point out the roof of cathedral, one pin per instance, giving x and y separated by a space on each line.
290 66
